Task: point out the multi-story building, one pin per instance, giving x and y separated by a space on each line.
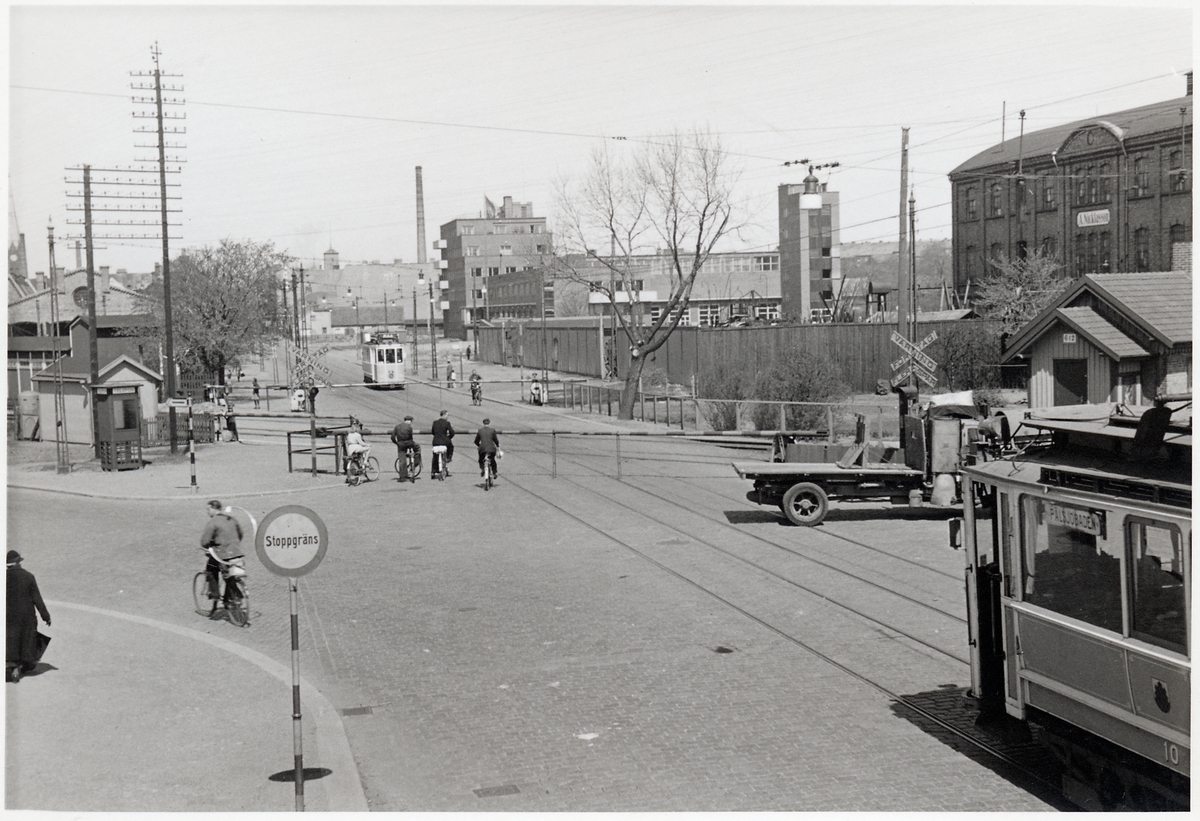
810 263
505 240
1106 194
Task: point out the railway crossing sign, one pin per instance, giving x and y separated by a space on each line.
914 361
291 541
308 365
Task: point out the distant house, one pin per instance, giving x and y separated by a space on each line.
1110 338
77 395
132 335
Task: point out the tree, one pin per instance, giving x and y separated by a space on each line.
1020 289
675 193
225 302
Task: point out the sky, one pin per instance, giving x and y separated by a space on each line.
304 124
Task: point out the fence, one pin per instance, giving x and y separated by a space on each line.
157 432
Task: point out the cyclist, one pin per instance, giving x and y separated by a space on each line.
356 447
443 434
476 387
488 442
402 435
221 539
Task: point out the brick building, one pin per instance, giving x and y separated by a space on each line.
809 250
1110 193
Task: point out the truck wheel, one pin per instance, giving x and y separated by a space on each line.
805 504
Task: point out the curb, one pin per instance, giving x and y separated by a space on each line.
343 787
191 495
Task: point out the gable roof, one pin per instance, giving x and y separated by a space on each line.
1131 123
1159 303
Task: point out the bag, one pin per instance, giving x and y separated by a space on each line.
43 641
499 454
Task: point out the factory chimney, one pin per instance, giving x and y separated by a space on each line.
420 219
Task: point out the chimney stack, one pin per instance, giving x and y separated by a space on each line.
420 218
1189 84
78 258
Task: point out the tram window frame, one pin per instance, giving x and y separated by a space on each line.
1079 583
1173 622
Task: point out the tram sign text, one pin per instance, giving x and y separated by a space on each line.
1074 518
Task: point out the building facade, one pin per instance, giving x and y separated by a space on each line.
1107 194
505 240
810 263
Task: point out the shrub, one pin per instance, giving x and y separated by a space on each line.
970 356
720 379
798 376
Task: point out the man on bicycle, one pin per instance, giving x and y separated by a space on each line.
221 539
357 448
488 442
402 435
476 387
443 435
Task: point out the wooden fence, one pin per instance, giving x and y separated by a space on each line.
865 352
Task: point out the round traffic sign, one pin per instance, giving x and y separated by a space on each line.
291 541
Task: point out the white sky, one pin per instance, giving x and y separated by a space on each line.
305 123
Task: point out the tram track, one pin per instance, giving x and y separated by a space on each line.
1047 790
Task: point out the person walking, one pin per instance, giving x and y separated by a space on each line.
488 442
443 434
254 393
24 606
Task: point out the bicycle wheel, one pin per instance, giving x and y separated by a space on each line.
371 469
238 604
354 473
200 593
398 467
414 470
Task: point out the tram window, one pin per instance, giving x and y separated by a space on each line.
391 356
1159 607
379 356
1068 563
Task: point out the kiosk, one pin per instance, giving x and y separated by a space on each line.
119 425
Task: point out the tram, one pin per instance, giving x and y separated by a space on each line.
383 362
1078 569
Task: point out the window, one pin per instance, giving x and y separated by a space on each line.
1178 175
1080 253
709 314
466 230
1141 249
740 264
1080 175
996 253
124 413
541 249
470 250
1093 192
996 200
1158 605
1068 564
766 263
1047 184
1179 233
972 204
476 272
478 293
1049 247
506 248
1141 177
1105 183
510 269
1104 253
766 312
969 256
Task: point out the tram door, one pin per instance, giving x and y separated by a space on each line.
989 633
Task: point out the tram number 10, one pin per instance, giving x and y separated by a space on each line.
1171 752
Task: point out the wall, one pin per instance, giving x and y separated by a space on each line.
1051 347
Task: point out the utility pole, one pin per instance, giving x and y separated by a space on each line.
413 327
159 101
903 307
61 446
912 232
432 335
296 308
93 347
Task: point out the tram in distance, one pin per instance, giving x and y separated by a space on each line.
383 361
1078 569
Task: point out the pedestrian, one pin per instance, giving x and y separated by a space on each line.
231 421
25 604
443 434
450 378
254 393
468 352
488 442
535 392
313 390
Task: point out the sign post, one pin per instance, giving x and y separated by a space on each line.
291 543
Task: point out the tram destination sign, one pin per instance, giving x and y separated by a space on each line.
1075 518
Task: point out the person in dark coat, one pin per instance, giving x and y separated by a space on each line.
24 605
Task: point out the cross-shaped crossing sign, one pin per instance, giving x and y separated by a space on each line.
914 361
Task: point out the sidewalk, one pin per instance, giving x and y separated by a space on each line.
97 727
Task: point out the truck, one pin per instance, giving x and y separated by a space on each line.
949 432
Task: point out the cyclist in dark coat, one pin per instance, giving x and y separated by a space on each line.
443 434
402 435
488 442
24 605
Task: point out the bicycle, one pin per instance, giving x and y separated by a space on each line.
236 598
476 394
489 470
359 471
440 467
410 465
